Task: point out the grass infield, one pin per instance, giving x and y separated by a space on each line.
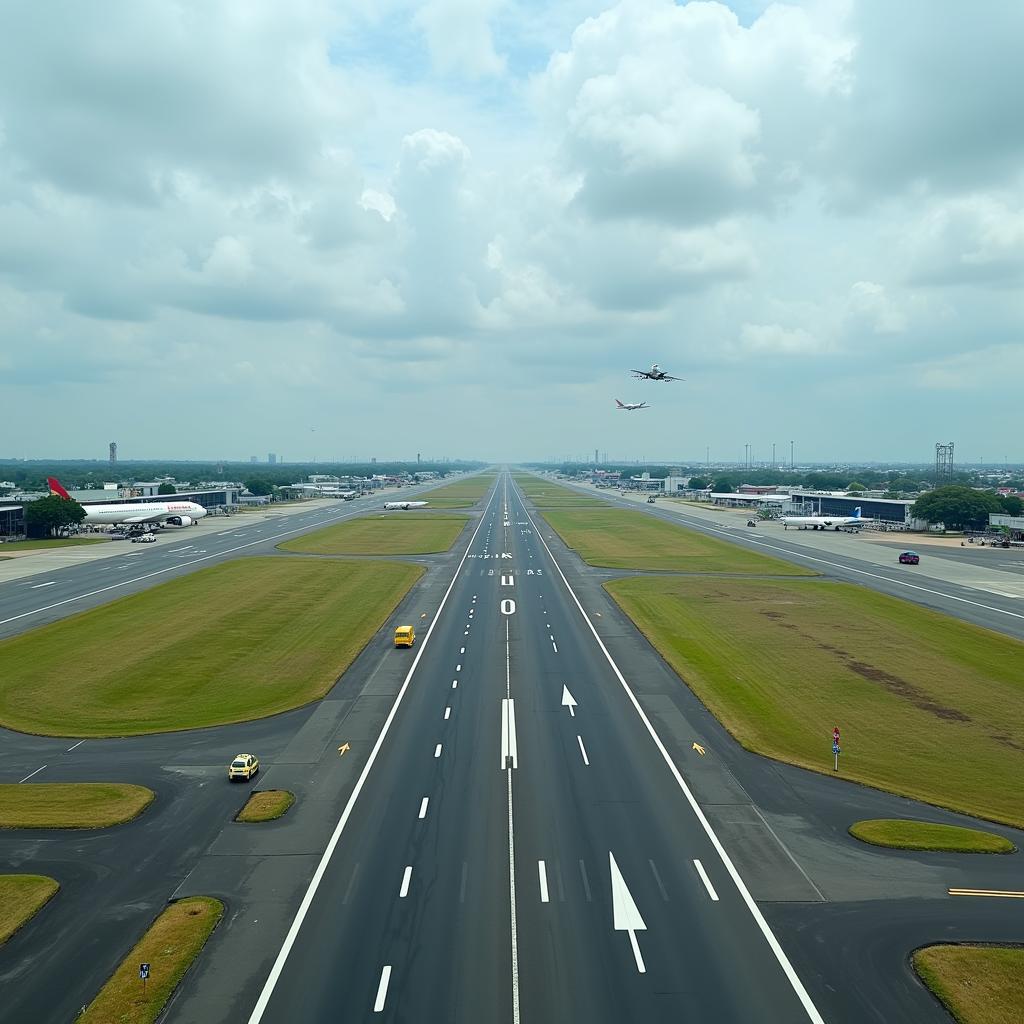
930 836
240 640
460 494
622 539
21 898
394 533
929 707
170 946
977 984
266 805
71 804
547 494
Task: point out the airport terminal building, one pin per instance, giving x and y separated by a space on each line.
889 511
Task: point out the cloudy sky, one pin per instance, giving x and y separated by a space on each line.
377 227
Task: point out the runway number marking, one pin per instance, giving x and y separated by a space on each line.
508 606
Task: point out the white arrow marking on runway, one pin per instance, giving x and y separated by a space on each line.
625 914
568 701
508 733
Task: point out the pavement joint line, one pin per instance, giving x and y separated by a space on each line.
657 879
300 915
707 881
780 954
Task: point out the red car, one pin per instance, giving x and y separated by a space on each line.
909 558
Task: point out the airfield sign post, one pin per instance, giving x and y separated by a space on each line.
144 975
835 747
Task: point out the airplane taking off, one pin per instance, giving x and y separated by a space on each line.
392 506
654 373
854 522
631 406
173 513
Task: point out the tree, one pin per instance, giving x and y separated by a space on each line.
957 507
722 487
1012 505
167 489
698 483
855 486
45 516
259 486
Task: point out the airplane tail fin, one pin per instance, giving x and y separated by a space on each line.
856 512
55 487
619 404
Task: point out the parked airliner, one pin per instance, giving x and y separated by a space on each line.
393 506
174 513
854 522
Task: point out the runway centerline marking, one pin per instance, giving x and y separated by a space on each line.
423 807
78 744
406 879
707 881
39 586
583 750
447 713
382 989
542 875
30 774
437 750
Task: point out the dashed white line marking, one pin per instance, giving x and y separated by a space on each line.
78 744
543 876
29 776
455 684
555 646
423 806
39 586
583 750
462 650
447 713
437 750
406 879
382 989
458 668
707 881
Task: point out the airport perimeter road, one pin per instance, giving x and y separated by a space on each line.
958 596
519 845
48 596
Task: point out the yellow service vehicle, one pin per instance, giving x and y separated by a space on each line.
405 636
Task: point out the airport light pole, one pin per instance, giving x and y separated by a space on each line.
792 464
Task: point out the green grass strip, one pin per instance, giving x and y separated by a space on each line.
266 805
170 947
929 707
71 804
460 494
899 834
623 539
977 984
393 533
21 898
240 640
46 545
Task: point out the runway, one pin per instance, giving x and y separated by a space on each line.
520 831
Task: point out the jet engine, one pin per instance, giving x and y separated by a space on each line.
180 520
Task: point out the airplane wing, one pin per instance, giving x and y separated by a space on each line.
667 377
641 373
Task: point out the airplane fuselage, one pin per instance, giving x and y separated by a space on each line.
184 512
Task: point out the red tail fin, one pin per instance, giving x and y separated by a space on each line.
55 487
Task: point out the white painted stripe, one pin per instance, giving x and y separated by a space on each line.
78 744
39 586
555 646
300 915
583 750
447 713
640 966
423 806
780 954
406 879
458 668
543 875
508 734
455 684
462 650
29 776
382 989
437 750
707 881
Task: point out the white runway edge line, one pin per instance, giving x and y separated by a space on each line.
171 568
707 881
307 901
780 954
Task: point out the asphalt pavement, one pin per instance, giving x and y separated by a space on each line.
508 823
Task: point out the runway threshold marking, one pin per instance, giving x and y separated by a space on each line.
1005 893
307 900
780 954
